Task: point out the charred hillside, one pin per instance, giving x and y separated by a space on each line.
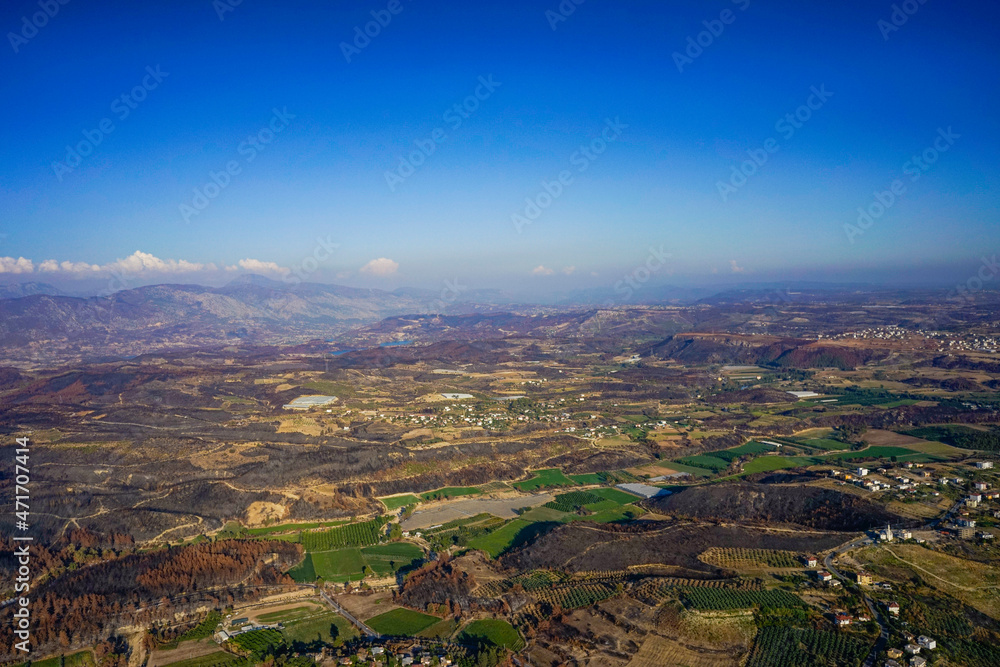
812 507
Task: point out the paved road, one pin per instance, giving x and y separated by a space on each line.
876 613
346 614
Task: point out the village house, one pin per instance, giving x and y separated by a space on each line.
926 642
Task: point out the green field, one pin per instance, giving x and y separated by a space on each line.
743 450
304 572
450 492
287 527
395 502
824 443
441 630
768 463
501 539
695 471
704 461
545 478
289 614
492 631
343 565
619 497
401 622
871 452
324 627
588 478
361 534
79 659
204 629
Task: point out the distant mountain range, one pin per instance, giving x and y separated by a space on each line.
38 324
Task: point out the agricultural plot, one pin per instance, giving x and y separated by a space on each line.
718 599
703 461
201 631
401 622
749 449
620 497
494 632
546 478
351 535
657 651
587 478
395 502
574 595
498 541
258 642
738 558
824 443
323 627
694 471
78 659
794 647
768 463
291 527
871 453
574 500
343 565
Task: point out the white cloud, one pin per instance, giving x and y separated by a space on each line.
79 268
142 262
736 268
569 270
541 270
258 266
380 267
19 265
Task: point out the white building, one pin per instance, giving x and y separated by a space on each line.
862 472
926 642
984 465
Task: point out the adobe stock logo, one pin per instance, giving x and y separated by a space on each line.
122 107
915 168
31 25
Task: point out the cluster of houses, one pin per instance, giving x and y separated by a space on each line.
375 656
913 650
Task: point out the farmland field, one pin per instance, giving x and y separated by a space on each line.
401 622
794 647
395 502
694 471
545 478
78 659
343 565
715 599
499 540
620 497
324 626
492 631
351 535
766 463
751 558
870 453
703 461
657 651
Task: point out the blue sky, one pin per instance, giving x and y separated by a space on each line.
344 123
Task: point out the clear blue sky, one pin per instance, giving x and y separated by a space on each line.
655 185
